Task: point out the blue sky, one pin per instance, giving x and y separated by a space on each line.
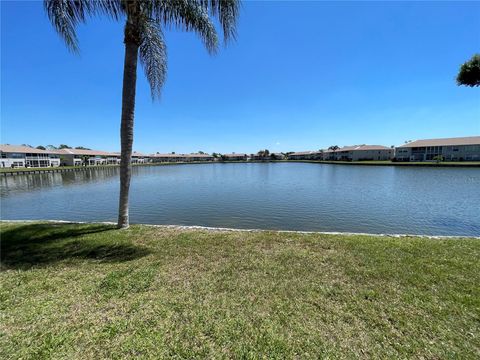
301 76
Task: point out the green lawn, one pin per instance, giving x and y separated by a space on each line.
91 291
398 163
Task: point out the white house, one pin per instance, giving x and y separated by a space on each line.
25 156
448 149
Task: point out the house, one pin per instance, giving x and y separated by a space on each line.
198 157
360 153
25 156
277 156
139 158
448 149
83 157
235 157
271 156
167 157
306 155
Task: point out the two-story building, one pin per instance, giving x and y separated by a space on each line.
447 149
306 155
235 157
84 157
25 156
360 153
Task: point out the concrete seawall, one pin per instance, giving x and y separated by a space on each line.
28 171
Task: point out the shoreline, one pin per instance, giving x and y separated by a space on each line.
226 229
62 169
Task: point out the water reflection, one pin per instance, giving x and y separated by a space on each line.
291 196
31 182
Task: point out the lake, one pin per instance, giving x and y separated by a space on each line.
286 196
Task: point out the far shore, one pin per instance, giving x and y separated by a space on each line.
12 171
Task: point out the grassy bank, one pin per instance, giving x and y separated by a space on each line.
397 163
91 291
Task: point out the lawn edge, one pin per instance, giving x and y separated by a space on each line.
225 229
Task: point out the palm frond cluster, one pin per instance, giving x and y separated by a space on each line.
145 20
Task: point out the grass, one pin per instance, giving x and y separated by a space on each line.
397 163
91 291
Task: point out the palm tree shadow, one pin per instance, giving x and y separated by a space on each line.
43 244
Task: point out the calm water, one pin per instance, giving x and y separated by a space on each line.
292 196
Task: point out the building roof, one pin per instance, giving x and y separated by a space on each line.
166 155
25 150
359 147
86 152
234 155
305 153
137 154
181 155
469 140
198 155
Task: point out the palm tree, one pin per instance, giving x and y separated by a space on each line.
143 38
334 148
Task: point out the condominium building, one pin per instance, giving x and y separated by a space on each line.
83 157
199 157
180 157
447 149
235 157
359 153
25 156
139 158
305 155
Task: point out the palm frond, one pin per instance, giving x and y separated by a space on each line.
227 12
65 15
153 56
188 15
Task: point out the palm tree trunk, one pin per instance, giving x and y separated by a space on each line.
126 129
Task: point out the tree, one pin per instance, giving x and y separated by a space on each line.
333 148
201 152
320 154
469 73
63 146
51 147
143 38
40 147
82 148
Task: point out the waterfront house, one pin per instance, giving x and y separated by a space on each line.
83 157
447 149
181 157
139 158
25 156
360 153
235 157
198 157
306 155
277 156
166 158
